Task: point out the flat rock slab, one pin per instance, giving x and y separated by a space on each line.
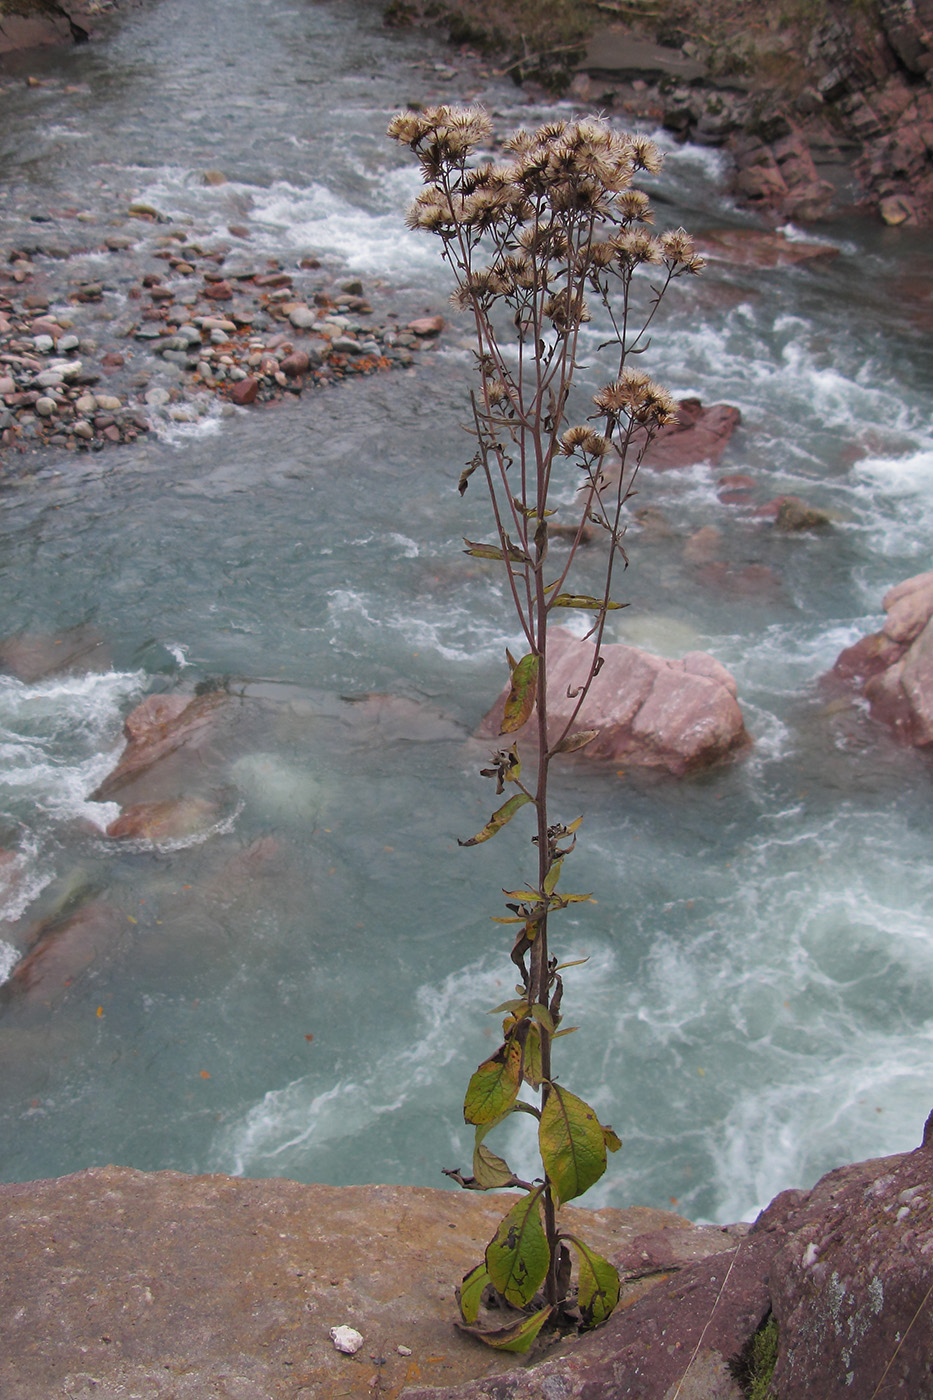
126 1285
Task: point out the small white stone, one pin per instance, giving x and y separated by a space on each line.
346 1339
403 1351
109 402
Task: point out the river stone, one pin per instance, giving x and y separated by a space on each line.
64 948
46 408
170 1287
159 727
893 669
679 716
169 820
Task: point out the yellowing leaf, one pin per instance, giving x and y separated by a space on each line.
497 821
517 1256
571 1142
519 1336
598 1284
581 600
577 741
470 1292
522 694
493 1087
492 1173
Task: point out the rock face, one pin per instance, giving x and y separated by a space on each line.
679 716
169 1287
893 668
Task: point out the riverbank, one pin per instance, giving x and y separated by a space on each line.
823 108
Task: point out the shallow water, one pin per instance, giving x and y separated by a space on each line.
303 992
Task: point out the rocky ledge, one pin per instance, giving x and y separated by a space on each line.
117 1283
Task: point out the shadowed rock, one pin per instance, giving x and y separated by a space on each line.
157 728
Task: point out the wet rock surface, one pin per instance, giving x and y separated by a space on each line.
893 669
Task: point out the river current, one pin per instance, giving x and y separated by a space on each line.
303 992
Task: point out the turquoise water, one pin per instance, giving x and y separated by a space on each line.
303 992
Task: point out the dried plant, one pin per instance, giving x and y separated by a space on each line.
529 238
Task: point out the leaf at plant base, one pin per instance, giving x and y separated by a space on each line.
492 1173
517 1256
580 600
577 741
493 1087
498 820
611 1138
522 694
571 1142
470 1293
519 1336
598 1284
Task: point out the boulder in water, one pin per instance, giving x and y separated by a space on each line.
678 716
159 727
893 668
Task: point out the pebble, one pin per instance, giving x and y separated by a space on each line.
44 344
157 396
68 342
108 402
346 1339
45 407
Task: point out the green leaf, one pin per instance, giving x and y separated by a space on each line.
518 1004
552 877
519 1336
580 600
532 1072
470 1292
517 1256
571 1142
598 1284
492 1173
498 820
522 695
543 1016
577 741
493 1087
483 551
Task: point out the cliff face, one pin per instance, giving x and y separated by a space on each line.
118 1283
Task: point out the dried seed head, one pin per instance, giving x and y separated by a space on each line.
634 246
634 205
584 440
645 155
678 249
637 396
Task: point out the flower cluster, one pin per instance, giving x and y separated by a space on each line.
637 397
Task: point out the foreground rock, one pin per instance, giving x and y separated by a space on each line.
159 727
679 716
893 668
169 1287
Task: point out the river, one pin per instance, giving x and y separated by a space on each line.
303 992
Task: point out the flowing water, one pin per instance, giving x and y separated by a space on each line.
303 991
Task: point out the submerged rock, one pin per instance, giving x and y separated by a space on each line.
157 728
697 434
679 716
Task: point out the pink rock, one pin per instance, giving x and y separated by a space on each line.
31 657
158 727
64 948
426 325
748 247
697 434
218 291
170 820
680 716
244 391
893 669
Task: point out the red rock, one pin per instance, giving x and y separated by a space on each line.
172 819
747 247
426 325
244 391
112 359
298 362
218 291
158 727
697 434
31 657
66 947
679 716
893 668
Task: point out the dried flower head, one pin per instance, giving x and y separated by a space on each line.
584 440
645 155
633 205
679 252
635 246
636 395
